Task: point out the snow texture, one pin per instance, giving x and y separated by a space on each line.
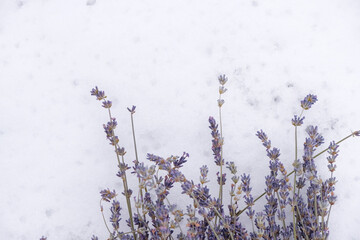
164 57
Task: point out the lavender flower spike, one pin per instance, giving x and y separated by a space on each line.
297 121
132 110
107 104
262 136
222 79
217 142
100 95
107 195
308 101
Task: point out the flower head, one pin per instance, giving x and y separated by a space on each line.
217 142
100 95
356 133
222 79
115 214
308 101
107 104
297 121
132 110
107 195
262 136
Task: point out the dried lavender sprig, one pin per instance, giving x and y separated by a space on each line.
297 121
132 111
317 155
333 151
126 188
103 216
100 95
222 80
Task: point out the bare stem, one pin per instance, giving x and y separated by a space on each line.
102 213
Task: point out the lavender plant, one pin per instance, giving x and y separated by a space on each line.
307 201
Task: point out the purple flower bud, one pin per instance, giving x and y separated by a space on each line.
262 136
107 104
100 95
222 79
231 166
120 151
132 110
297 121
107 195
115 214
308 101
273 154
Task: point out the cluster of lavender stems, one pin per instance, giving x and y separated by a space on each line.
308 199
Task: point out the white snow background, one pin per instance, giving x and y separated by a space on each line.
164 57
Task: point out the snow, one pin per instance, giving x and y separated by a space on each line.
164 57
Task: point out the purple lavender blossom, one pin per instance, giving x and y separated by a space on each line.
176 175
163 164
223 180
120 151
222 79
203 174
262 136
43 238
332 198
106 104
200 216
273 154
132 110
187 187
202 194
314 135
216 142
107 195
100 95
231 166
179 162
115 214
356 133
297 121
308 101
93 238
